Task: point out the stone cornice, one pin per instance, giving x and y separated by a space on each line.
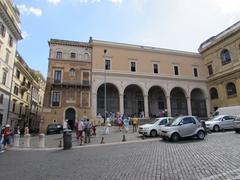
69 43
144 48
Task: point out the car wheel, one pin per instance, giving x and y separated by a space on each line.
200 135
216 128
237 131
175 137
153 133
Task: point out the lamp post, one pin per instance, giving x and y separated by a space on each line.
105 87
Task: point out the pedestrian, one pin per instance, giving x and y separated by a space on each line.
87 130
126 123
135 123
94 125
65 124
107 126
76 129
1 139
26 129
80 129
7 133
119 122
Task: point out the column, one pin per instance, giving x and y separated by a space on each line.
189 106
94 105
146 106
121 103
169 106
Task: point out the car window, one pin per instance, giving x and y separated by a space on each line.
188 120
162 122
51 126
228 118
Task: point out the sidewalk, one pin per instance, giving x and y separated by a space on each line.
115 136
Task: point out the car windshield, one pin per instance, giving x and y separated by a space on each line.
176 121
51 126
217 118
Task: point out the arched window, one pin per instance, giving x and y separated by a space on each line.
225 57
213 93
72 72
231 89
59 55
86 56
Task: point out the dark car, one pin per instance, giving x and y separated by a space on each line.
54 129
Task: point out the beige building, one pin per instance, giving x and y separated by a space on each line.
144 80
9 35
26 97
221 56
67 94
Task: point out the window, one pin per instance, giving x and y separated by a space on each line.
210 69
231 89
85 78
7 57
72 72
213 93
1 119
176 72
133 66
57 76
3 30
85 99
4 77
14 105
59 55
55 98
163 122
1 98
20 108
195 72
86 56
15 91
225 57
155 68
10 41
18 74
107 64
188 120
73 55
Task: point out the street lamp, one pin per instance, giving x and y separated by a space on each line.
105 87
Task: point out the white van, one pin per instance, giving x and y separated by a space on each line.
231 111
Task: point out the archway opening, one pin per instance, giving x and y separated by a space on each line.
198 103
112 99
156 101
178 102
70 115
133 101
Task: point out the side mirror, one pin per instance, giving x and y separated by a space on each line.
223 119
181 123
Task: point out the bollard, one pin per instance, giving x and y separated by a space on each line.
27 140
124 138
41 142
60 144
16 140
102 141
143 137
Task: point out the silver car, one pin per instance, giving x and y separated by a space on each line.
236 124
220 122
184 126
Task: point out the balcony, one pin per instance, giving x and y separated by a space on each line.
25 86
77 84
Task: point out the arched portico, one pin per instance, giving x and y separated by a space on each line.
156 101
198 103
178 102
133 100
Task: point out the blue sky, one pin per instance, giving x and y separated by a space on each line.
172 24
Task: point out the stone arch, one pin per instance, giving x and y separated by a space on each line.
198 103
112 98
133 100
70 114
178 100
156 100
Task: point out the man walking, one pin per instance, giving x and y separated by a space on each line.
135 123
87 129
80 128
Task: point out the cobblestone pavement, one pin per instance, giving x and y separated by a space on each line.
52 141
216 157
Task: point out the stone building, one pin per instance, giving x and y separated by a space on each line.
9 35
146 80
67 94
221 56
27 96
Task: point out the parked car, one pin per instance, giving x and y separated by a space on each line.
54 129
230 110
236 124
154 128
220 122
184 126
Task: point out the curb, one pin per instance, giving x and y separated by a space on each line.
83 146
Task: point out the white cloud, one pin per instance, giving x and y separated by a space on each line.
98 1
54 2
29 10
117 1
25 34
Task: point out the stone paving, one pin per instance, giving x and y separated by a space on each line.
216 157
